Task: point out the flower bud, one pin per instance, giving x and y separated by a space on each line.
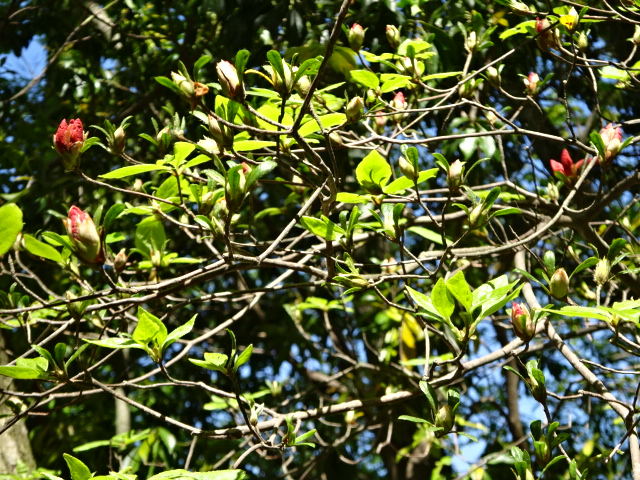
399 103
603 270
612 138
444 420
303 85
531 84
520 8
466 89
229 81
553 192
522 323
120 261
472 42
75 309
355 110
336 139
116 144
84 236
583 42
393 36
559 284
156 258
283 86
408 169
491 117
206 204
494 76
220 133
380 121
636 35
356 37
188 88
68 142
477 217
455 175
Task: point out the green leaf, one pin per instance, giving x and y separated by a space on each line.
212 361
243 358
589 262
116 342
373 173
40 249
616 247
426 233
181 150
44 353
442 299
365 78
213 475
322 227
200 159
258 172
149 328
242 57
459 288
76 354
201 62
276 62
250 145
393 81
150 235
179 332
79 470
133 170
24 373
327 121
345 197
403 183
413 419
113 213
10 226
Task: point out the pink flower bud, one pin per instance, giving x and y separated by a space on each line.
393 36
522 323
229 81
84 236
399 103
455 175
68 142
548 37
612 139
356 37
380 123
531 84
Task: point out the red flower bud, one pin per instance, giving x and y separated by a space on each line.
399 103
566 165
84 236
531 83
68 142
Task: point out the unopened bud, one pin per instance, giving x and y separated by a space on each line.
583 42
206 204
355 110
531 84
444 420
472 42
393 36
455 175
229 81
603 270
520 8
408 169
522 323
494 76
75 309
120 261
356 37
636 35
559 284
380 121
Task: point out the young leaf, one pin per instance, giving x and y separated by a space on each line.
10 226
40 249
78 470
243 358
373 173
